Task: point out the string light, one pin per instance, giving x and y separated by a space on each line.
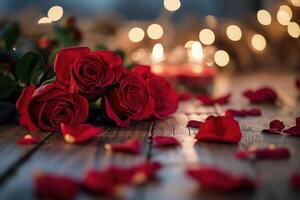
155 31
234 32
293 29
136 34
258 42
172 5
264 17
221 58
55 13
207 36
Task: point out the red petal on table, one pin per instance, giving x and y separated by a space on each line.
207 100
275 127
132 146
242 112
183 96
271 153
295 180
163 141
28 140
262 95
79 133
215 179
220 129
194 124
49 186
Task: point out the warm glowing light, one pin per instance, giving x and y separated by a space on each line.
157 53
136 34
234 32
258 42
284 15
295 3
221 58
264 17
55 13
211 21
44 20
197 51
172 5
207 36
155 31
293 30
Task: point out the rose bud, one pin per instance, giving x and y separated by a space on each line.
129 101
90 73
48 106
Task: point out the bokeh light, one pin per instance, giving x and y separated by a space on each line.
136 34
293 29
234 32
155 31
55 13
172 5
258 42
207 36
264 17
221 58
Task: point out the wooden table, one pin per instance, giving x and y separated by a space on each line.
19 163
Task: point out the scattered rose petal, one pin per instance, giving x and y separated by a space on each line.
242 112
215 179
194 124
272 153
295 180
207 100
79 133
28 140
275 127
132 146
183 96
262 95
220 129
294 130
111 180
48 186
163 141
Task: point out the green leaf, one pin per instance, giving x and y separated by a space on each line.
29 68
8 112
121 53
7 87
9 35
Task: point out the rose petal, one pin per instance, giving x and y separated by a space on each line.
220 129
79 133
262 95
194 124
295 181
215 179
164 141
242 112
275 153
28 140
48 186
207 100
183 96
132 146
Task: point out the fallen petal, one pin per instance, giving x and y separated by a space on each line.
163 141
28 140
79 133
194 124
132 146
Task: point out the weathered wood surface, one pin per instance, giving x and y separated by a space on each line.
19 164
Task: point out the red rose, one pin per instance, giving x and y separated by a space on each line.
90 73
50 105
165 98
128 101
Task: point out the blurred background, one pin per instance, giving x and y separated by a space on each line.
230 35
